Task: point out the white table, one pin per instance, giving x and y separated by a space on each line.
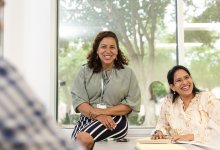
130 145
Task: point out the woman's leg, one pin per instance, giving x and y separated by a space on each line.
81 123
100 132
86 140
83 137
88 131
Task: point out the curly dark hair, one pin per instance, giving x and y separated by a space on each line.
170 79
93 60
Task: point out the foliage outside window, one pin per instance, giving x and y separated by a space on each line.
202 42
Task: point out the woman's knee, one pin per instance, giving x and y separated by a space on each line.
85 139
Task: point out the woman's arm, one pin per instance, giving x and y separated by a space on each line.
106 120
117 110
186 137
162 123
209 108
88 111
85 109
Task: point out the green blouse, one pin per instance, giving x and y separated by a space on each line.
122 88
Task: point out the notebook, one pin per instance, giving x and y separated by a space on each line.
159 147
166 144
148 140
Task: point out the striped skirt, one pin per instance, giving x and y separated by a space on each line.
98 131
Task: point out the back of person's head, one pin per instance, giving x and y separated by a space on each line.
93 60
170 79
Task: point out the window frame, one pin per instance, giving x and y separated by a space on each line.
132 131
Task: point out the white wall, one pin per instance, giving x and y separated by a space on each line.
29 43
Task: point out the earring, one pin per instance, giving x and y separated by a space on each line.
174 92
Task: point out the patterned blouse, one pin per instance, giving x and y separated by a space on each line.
201 118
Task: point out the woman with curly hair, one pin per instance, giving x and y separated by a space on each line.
105 91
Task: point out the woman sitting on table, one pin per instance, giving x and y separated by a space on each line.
187 113
104 92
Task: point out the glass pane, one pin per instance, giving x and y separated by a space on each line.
202 43
146 30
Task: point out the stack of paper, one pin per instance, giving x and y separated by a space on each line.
148 140
159 147
159 144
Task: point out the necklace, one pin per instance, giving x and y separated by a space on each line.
104 81
106 75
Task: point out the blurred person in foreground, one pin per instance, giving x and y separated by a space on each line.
24 124
105 91
188 114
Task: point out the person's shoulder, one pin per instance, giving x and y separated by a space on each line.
206 97
127 69
206 94
4 63
85 67
82 70
6 67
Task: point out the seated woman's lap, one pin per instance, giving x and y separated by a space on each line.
98 131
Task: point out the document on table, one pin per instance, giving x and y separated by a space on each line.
207 146
148 140
160 144
159 147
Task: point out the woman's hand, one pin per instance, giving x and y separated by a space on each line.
186 137
107 121
96 112
158 135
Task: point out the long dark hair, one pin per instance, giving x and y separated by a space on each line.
170 79
93 60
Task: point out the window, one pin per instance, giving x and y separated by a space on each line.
146 30
202 42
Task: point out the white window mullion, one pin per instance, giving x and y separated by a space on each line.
180 31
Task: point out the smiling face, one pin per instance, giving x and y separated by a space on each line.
107 52
182 83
